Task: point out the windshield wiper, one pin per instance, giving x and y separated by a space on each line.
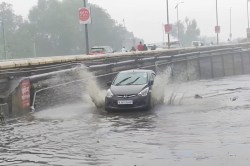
130 83
125 79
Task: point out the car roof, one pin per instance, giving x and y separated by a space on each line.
101 47
138 70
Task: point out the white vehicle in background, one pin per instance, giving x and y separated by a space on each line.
101 50
196 43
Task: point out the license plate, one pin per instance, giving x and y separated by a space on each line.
125 102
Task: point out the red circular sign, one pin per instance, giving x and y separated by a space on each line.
217 29
84 14
168 28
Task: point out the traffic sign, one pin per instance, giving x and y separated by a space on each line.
168 28
217 29
85 15
25 93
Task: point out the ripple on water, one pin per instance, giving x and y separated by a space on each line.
206 131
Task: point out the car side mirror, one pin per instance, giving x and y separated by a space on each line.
151 82
109 83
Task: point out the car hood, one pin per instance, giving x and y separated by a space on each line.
127 89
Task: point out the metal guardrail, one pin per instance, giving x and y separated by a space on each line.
28 71
164 60
180 57
168 59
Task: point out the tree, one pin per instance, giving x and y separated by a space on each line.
188 31
57 30
17 41
53 29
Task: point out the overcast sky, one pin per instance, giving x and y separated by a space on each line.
145 17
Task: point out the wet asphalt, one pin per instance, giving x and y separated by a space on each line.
201 123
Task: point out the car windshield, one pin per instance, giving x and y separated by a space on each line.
131 78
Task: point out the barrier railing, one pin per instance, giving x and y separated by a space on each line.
157 61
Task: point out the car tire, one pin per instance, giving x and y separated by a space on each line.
108 110
149 105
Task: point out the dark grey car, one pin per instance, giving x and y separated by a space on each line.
130 89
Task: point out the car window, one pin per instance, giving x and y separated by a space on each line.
152 76
97 49
131 78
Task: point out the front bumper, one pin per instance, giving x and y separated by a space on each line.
139 102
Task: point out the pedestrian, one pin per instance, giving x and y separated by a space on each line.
145 48
140 47
133 49
124 49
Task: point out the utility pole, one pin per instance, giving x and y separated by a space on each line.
163 33
217 22
168 24
247 14
230 35
86 31
248 30
34 49
178 26
4 40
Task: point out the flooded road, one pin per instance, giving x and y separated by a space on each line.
201 123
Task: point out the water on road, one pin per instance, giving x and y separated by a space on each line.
201 123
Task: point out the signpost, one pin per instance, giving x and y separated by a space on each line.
168 28
217 29
168 24
248 33
25 93
84 15
85 18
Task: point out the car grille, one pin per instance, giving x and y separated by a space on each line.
125 96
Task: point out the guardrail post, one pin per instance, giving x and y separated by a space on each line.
199 64
187 68
155 62
223 65
248 57
212 65
233 59
242 63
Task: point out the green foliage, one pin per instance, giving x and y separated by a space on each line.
16 39
188 31
53 29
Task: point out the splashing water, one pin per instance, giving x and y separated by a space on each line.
160 83
94 93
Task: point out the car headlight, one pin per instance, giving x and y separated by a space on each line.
144 92
109 94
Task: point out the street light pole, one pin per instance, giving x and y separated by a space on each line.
163 33
168 24
86 31
178 27
4 40
247 14
217 22
230 35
